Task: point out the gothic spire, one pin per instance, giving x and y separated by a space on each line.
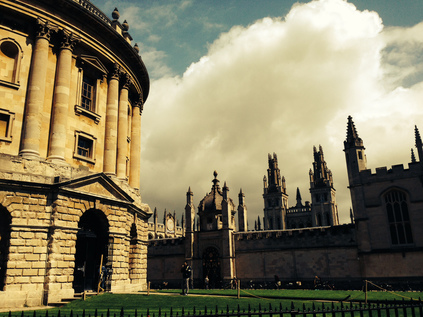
321 175
352 136
419 144
299 203
413 157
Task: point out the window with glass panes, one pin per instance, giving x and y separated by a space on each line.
398 217
87 95
85 147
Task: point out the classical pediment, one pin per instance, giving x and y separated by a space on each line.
94 62
97 185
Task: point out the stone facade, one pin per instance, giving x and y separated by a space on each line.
72 90
383 243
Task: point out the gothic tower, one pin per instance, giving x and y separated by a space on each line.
242 213
354 153
275 196
189 228
323 208
356 162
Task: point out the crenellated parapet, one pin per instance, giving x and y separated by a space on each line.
396 172
322 237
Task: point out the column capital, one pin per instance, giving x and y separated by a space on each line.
115 73
126 81
139 103
68 40
44 30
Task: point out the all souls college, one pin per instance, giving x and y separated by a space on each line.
72 91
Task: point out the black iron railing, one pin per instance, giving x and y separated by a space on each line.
325 309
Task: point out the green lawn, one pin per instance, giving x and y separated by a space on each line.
164 301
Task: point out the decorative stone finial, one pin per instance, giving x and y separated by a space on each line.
125 26
136 48
115 14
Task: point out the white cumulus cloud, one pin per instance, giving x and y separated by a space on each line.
282 85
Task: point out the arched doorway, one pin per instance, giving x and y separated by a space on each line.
91 244
211 267
5 221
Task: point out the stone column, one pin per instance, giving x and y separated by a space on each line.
31 133
61 99
122 138
110 149
135 159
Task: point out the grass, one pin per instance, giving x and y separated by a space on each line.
309 294
166 300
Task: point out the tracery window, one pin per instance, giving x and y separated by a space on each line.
398 217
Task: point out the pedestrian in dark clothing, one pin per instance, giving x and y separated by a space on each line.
186 275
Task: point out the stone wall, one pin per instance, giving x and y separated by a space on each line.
165 257
44 227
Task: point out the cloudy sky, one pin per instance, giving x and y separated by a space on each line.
234 80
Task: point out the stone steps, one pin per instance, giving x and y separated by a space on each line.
65 301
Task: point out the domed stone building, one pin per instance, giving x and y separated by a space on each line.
72 90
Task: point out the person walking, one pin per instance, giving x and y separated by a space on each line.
186 274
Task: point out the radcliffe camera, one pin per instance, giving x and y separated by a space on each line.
281 150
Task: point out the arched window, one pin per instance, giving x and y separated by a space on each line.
10 56
5 221
398 217
134 253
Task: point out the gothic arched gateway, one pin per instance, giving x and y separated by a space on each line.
211 267
91 244
4 243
